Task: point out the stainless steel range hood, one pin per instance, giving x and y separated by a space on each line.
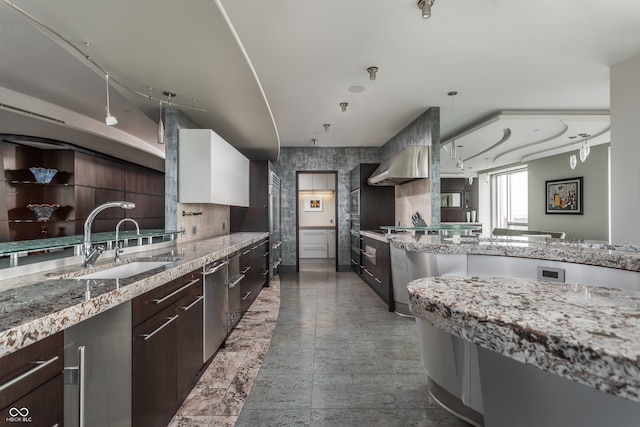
409 164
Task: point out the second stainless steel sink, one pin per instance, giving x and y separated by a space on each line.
125 270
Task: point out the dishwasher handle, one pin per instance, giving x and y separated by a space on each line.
237 279
215 268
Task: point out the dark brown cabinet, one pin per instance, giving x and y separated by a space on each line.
453 195
376 269
37 397
376 203
190 344
167 338
254 266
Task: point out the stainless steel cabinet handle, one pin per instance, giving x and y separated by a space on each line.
354 262
235 282
368 272
245 270
246 252
264 273
246 296
377 280
277 245
367 254
216 268
263 243
81 384
197 300
166 297
169 320
41 365
265 254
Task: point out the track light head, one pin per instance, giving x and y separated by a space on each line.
343 106
372 72
425 8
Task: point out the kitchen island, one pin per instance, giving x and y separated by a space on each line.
551 353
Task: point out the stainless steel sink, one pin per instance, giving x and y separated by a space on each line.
125 270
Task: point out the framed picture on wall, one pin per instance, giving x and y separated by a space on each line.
313 204
564 196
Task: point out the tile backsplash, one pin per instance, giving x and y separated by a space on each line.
210 220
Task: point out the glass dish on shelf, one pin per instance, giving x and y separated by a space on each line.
43 211
43 175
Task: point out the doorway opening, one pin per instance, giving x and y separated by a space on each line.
316 220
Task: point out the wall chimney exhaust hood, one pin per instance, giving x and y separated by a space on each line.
409 164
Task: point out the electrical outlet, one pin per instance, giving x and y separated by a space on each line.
224 225
193 230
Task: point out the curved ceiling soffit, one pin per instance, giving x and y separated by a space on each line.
564 130
506 135
233 31
541 153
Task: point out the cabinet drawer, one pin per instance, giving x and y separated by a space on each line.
151 302
313 251
26 369
41 407
313 236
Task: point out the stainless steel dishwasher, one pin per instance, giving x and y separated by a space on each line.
216 306
235 277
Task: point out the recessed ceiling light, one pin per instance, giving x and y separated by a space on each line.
356 89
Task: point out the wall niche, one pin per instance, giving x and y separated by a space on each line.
83 181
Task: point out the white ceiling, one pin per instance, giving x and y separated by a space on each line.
539 69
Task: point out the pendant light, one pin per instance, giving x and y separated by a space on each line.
109 119
452 150
160 127
573 161
460 163
585 149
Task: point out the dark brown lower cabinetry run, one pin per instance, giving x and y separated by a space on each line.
165 348
375 269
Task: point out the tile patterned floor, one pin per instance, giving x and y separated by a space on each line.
222 390
336 357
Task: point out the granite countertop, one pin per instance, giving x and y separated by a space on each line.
600 254
43 304
586 334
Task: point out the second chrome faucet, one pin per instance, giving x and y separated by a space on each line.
117 250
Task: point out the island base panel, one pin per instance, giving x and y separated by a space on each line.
518 394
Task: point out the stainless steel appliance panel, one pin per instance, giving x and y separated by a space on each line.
275 252
216 307
97 360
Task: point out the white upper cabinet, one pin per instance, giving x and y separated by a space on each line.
316 181
210 170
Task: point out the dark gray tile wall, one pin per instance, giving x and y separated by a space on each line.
340 159
425 130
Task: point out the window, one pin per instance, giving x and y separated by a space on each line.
509 195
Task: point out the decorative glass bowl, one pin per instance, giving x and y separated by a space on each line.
43 211
43 175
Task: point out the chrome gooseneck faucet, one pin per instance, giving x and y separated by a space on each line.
89 252
118 249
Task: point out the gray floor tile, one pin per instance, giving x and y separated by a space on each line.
280 391
338 357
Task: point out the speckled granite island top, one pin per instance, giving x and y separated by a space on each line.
600 254
41 305
590 335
